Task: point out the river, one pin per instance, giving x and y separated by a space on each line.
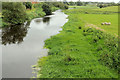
22 45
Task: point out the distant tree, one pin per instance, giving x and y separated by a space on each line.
65 2
71 3
86 3
60 5
101 6
14 12
66 6
79 3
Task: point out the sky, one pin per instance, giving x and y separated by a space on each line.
116 1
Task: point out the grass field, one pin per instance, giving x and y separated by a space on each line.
83 52
84 7
96 16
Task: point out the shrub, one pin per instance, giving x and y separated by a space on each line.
28 5
14 12
47 9
37 5
106 47
79 3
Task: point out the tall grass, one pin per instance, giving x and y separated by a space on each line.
79 51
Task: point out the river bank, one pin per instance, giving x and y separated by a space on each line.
31 14
23 45
79 52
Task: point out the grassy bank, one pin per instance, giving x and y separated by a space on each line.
35 13
79 51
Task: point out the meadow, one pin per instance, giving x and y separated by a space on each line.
84 48
95 16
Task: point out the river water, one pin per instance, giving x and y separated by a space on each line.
22 45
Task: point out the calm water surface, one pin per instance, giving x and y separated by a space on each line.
22 45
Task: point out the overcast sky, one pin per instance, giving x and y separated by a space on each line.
96 0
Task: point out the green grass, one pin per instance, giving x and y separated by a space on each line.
84 7
35 13
111 8
0 15
98 19
96 16
79 52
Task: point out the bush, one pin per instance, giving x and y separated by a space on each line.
79 3
14 12
37 5
47 9
28 5
101 6
37 13
106 47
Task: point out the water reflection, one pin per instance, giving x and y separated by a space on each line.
38 20
14 34
44 20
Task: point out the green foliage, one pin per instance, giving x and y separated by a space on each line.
47 9
105 46
98 16
71 3
36 13
38 5
60 5
79 52
28 5
13 12
79 3
101 6
54 9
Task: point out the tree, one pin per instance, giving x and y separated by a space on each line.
47 9
14 12
79 3
100 5
71 3
60 5
86 3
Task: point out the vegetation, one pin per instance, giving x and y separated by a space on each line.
28 5
13 13
81 51
93 17
35 12
60 5
47 9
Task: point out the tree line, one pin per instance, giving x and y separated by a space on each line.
15 12
98 4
